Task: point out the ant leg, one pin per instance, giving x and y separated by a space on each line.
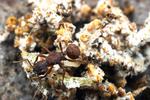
46 73
40 77
38 89
22 61
64 69
40 55
60 46
39 81
44 48
36 92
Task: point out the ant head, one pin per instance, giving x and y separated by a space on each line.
73 51
40 68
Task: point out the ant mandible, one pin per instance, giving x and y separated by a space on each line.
41 67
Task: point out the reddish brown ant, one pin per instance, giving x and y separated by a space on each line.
41 67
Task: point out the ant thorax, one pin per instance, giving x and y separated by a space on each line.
54 58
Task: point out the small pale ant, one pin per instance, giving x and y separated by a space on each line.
41 67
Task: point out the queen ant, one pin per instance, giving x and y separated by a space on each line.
41 67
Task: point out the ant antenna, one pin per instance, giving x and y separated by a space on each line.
40 55
44 48
22 61
36 92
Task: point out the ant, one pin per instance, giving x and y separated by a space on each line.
41 67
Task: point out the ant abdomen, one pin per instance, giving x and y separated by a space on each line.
73 51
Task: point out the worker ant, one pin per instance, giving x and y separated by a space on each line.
41 67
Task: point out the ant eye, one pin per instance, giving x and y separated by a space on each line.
73 51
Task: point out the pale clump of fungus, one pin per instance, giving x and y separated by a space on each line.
115 42
64 34
95 72
108 90
11 24
71 10
44 21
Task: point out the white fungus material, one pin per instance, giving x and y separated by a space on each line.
115 40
